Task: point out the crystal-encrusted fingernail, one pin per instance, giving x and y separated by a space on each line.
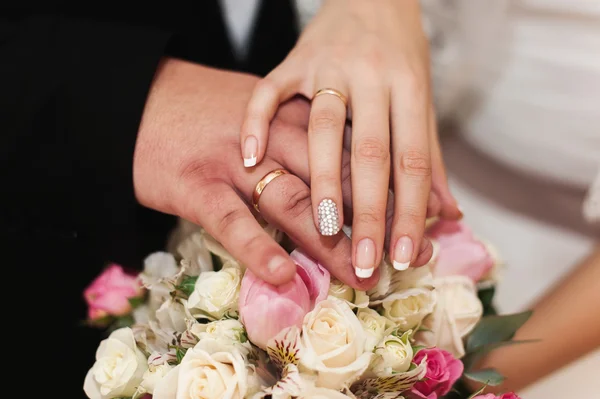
329 221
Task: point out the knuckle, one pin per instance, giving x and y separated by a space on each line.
371 150
415 163
326 119
298 203
324 179
229 220
199 172
251 243
370 215
411 216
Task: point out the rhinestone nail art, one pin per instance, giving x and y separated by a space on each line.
329 223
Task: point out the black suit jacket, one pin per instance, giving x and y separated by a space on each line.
73 84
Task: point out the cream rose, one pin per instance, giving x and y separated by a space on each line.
227 333
119 367
457 312
374 325
408 308
333 344
151 377
393 355
208 373
216 293
354 298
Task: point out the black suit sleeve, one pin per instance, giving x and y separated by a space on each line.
72 93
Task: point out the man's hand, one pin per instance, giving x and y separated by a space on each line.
186 163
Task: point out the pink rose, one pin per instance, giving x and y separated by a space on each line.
510 395
460 253
265 309
442 372
109 293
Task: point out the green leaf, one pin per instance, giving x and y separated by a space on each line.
187 285
180 353
494 329
485 376
136 301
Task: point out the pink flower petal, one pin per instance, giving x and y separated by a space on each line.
315 276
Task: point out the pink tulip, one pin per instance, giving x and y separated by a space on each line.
442 372
109 293
510 395
460 253
265 309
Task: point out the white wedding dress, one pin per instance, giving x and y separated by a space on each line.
522 80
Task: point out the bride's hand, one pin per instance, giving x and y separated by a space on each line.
374 56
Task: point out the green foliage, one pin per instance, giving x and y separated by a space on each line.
495 329
485 376
187 285
136 301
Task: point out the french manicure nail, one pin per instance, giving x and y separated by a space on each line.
250 151
364 273
403 253
329 221
365 258
276 263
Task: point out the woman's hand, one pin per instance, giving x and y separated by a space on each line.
183 165
374 55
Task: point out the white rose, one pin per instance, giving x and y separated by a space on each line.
229 333
205 373
408 308
333 344
457 312
354 298
392 355
118 369
374 325
216 293
151 377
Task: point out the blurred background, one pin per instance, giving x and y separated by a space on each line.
517 85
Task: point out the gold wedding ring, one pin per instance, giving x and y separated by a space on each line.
262 183
333 92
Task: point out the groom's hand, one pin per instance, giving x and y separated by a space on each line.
187 163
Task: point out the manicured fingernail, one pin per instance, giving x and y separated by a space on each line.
403 253
250 151
276 263
365 258
329 221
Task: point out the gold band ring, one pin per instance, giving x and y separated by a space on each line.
332 92
262 183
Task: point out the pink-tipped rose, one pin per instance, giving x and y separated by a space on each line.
510 395
265 310
109 293
442 372
460 253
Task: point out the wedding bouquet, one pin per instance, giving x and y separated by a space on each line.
197 324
